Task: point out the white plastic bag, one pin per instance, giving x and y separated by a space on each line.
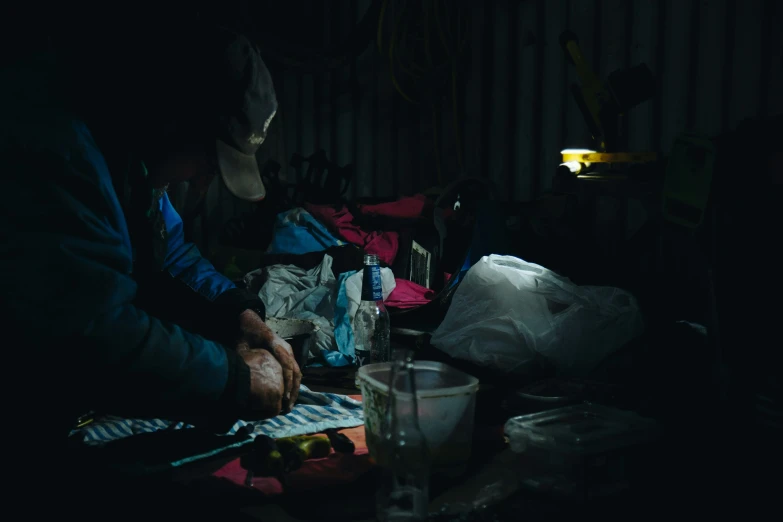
507 313
295 293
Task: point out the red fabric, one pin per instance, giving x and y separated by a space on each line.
405 208
382 244
408 294
314 474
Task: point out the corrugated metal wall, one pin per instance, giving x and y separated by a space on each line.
717 62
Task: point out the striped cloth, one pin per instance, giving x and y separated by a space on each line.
314 412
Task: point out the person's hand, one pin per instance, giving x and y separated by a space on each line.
257 335
266 383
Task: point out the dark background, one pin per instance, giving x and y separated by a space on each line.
481 89
492 102
717 62
491 96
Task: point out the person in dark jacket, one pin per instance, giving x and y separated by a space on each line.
118 313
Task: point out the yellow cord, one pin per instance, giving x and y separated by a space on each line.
380 24
427 50
440 30
398 35
413 64
455 120
428 53
391 69
397 85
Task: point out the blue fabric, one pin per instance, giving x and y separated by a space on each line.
464 270
296 231
66 256
184 261
313 413
490 233
343 333
489 237
335 359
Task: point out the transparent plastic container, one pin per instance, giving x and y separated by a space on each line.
446 405
582 451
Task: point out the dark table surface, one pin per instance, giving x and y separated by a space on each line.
699 467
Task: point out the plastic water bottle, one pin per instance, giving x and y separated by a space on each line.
371 323
403 493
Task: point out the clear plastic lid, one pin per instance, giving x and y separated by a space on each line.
433 379
581 429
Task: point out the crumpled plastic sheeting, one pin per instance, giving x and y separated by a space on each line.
296 293
343 327
508 314
316 295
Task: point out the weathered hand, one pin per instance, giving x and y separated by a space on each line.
266 383
257 335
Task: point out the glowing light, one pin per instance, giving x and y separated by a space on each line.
573 166
577 151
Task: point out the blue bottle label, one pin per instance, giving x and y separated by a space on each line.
371 284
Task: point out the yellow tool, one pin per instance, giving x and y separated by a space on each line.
604 104
579 161
593 95
84 420
275 457
607 157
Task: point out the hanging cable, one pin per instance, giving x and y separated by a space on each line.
315 59
396 84
425 27
379 39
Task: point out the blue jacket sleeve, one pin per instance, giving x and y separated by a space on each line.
184 261
65 273
194 293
